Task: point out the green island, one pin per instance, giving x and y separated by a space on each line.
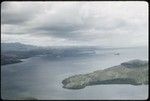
134 72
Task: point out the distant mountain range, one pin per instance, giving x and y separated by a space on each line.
17 47
14 52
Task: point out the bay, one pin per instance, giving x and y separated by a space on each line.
40 77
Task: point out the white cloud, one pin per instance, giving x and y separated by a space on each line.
76 23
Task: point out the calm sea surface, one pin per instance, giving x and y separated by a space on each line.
40 77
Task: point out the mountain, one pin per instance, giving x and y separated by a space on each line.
17 47
14 52
9 59
134 72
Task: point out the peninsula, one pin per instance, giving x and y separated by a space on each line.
134 72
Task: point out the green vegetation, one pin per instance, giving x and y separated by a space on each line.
133 72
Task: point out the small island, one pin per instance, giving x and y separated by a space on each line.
134 72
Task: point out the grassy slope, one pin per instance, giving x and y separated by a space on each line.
115 75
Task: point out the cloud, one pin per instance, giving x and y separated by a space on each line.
19 12
78 23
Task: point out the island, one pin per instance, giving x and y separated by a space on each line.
134 72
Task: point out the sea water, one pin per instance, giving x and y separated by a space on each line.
40 77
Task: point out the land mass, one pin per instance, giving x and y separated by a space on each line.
134 72
9 59
13 52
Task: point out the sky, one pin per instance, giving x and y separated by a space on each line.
99 23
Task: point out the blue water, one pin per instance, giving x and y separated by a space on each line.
40 77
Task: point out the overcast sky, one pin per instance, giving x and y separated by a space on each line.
115 24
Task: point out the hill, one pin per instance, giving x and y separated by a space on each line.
134 72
